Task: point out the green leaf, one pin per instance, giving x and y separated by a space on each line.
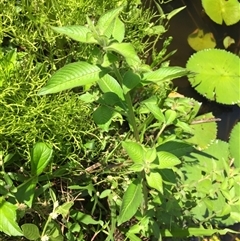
127 51
174 12
151 104
70 76
215 75
76 32
64 208
132 199
154 180
167 160
177 148
84 218
30 231
150 155
103 115
134 150
197 232
222 10
234 144
108 84
26 191
106 24
118 31
130 80
40 157
204 132
170 116
165 74
198 40
8 223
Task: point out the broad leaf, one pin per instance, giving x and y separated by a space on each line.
167 160
177 148
70 76
8 223
164 74
204 130
222 10
170 116
84 218
118 31
127 51
26 191
30 231
106 23
154 180
197 232
132 199
134 150
155 110
198 40
130 80
64 208
234 145
76 32
40 157
215 75
103 116
108 84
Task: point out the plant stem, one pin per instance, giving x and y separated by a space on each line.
130 111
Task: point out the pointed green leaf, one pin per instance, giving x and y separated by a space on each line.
132 199
197 232
84 218
167 160
26 191
8 216
76 32
215 75
127 51
222 10
154 180
40 157
150 155
165 74
174 12
105 24
30 231
118 31
103 116
155 110
108 84
64 208
170 116
134 150
70 76
234 144
130 80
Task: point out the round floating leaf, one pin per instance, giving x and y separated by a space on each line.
234 144
222 10
228 41
216 75
198 40
204 131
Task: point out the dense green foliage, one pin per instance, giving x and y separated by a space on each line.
102 148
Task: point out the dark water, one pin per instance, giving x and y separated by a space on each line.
181 25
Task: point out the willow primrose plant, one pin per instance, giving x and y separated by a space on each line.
151 143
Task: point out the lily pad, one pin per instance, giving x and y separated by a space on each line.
198 40
222 10
216 75
204 131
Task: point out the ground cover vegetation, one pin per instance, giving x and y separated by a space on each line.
95 143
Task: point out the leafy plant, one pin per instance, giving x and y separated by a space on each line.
154 185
